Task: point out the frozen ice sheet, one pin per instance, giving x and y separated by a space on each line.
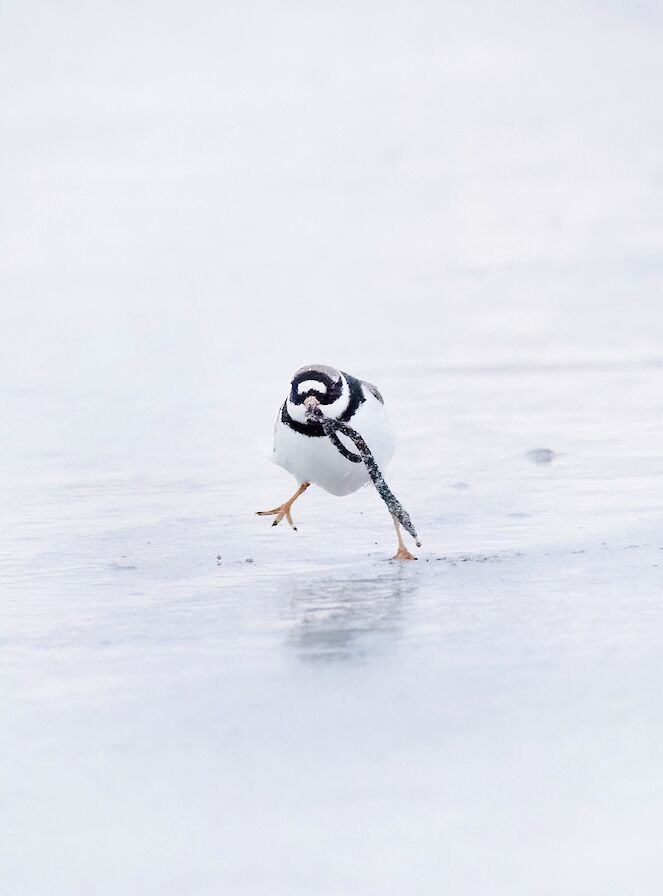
460 205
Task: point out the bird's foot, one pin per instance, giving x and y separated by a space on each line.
283 510
403 554
279 513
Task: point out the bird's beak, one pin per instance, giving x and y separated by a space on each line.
311 402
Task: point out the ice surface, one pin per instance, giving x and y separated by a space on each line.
462 205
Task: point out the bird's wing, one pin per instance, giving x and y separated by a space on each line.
373 390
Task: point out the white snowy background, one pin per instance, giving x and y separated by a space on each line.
462 203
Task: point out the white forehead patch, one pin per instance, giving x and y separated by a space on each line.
311 384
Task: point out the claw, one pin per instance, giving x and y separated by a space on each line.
284 509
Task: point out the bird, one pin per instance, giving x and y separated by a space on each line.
302 448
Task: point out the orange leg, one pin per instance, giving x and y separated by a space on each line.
402 553
284 509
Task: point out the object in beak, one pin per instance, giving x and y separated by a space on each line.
311 402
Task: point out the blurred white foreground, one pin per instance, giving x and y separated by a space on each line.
462 208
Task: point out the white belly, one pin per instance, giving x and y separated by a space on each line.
315 459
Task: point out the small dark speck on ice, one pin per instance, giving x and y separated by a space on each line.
541 455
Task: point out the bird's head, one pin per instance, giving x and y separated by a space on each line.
318 386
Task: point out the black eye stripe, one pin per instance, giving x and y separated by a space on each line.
313 385
334 387
315 429
313 376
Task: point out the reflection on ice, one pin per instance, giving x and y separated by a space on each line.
340 619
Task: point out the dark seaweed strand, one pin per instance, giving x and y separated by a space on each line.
394 506
338 444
